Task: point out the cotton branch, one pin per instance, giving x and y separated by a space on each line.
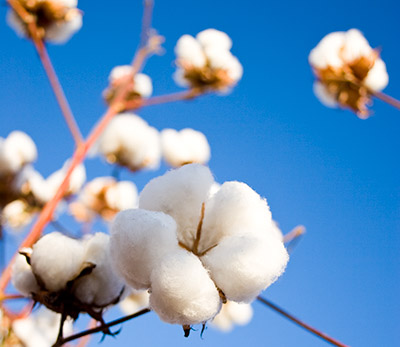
305 326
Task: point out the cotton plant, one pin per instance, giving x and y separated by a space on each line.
194 250
231 314
205 62
69 276
348 71
184 147
56 20
129 141
141 86
104 197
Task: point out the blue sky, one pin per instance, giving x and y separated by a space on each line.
323 168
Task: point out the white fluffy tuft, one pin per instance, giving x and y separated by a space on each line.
22 276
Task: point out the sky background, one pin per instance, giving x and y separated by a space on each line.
323 168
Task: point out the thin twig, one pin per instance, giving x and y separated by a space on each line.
386 98
148 6
29 20
12 297
101 327
300 323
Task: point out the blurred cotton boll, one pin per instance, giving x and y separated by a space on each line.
129 141
135 301
184 147
17 214
232 313
348 71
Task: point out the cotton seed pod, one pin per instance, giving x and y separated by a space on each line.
182 292
243 266
102 286
184 147
57 259
139 240
22 276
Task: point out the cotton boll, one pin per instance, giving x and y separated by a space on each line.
68 3
102 286
244 266
143 85
122 196
182 292
61 31
57 259
377 77
189 51
234 209
179 78
17 214
232 313
355 46
214 38
179 193
139 240
185 146
135 301
130 141
119 72
327 52
323 95
22 276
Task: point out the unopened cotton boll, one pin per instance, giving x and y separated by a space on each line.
189 50
182 291
102 286
22 276
57 259
139 240
130 141
232 313
243 266
179 193
214 38
185 146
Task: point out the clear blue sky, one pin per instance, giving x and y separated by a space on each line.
323 168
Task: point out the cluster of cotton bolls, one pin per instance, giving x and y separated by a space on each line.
194 247
141 84
129 141
56 20
69 276
348 71
206 62
104 196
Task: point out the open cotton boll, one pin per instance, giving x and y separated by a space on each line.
355 46
22 277
119 72
60 32
129 140
189 51
232 313
185 146
214 38
122 196
244 266
234 209
135 301
17 214
323 95
182 291
139 240
179 193
102 286
57 259
143 85
327 52
377 77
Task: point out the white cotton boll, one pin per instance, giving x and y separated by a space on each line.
355 46
57 259
377 77
17 150
244 266
143 85
214 38
102 286
41 328
119 71
179 78
61 31
327 52
185 146
132 140
232 313
182 291
233 210
223 59
189 51
17 214
122 196
15 22
276 231
22 276
323 95
135 301
139 240
68 3
179 193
